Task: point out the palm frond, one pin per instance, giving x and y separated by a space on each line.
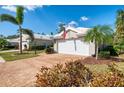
19 14
98 34
61 27
119 27
106 29
28 32
87 37
9 18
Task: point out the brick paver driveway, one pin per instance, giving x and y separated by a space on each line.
22 72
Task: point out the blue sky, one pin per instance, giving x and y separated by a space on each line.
46 18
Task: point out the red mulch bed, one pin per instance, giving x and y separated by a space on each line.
92 60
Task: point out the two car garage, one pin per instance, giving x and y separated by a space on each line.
74 47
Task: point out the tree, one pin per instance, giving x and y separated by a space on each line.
43 33
119 34
2 36
18 20
3 42
51 33
61 27
98 35
30 33
12 36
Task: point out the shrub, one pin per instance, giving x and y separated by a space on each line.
76 74
49 50
10 47
104 54
111 49
38 47
117 48
3 42
71 74
107 80
113 78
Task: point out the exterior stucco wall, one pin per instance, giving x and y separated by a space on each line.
71 34
25 43
92 48
55 46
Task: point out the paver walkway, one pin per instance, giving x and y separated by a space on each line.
1 60
22 72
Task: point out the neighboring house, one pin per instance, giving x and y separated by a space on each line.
40 40
73 42
13 42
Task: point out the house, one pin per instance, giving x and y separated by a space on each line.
39 40
71 41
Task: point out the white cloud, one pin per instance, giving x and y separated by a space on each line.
84 18
27 8
32 7
10 8
72 23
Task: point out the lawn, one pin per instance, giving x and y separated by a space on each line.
100 65
102 68
11 56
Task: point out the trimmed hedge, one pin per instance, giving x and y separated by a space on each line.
37 47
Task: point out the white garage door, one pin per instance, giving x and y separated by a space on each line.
76 47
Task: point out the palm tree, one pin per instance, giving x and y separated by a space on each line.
3 42
119 34
61 27
31 35
28 32
18 20
98 35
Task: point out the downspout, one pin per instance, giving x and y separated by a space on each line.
75 45
57 46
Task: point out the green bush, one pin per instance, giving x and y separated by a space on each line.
37 47
11 47
49 50
104 54
117 48
72 74
111 49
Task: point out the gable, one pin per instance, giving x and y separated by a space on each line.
71 34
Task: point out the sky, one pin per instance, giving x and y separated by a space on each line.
45 19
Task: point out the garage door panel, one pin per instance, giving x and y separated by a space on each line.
82 47
76 47
66 47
